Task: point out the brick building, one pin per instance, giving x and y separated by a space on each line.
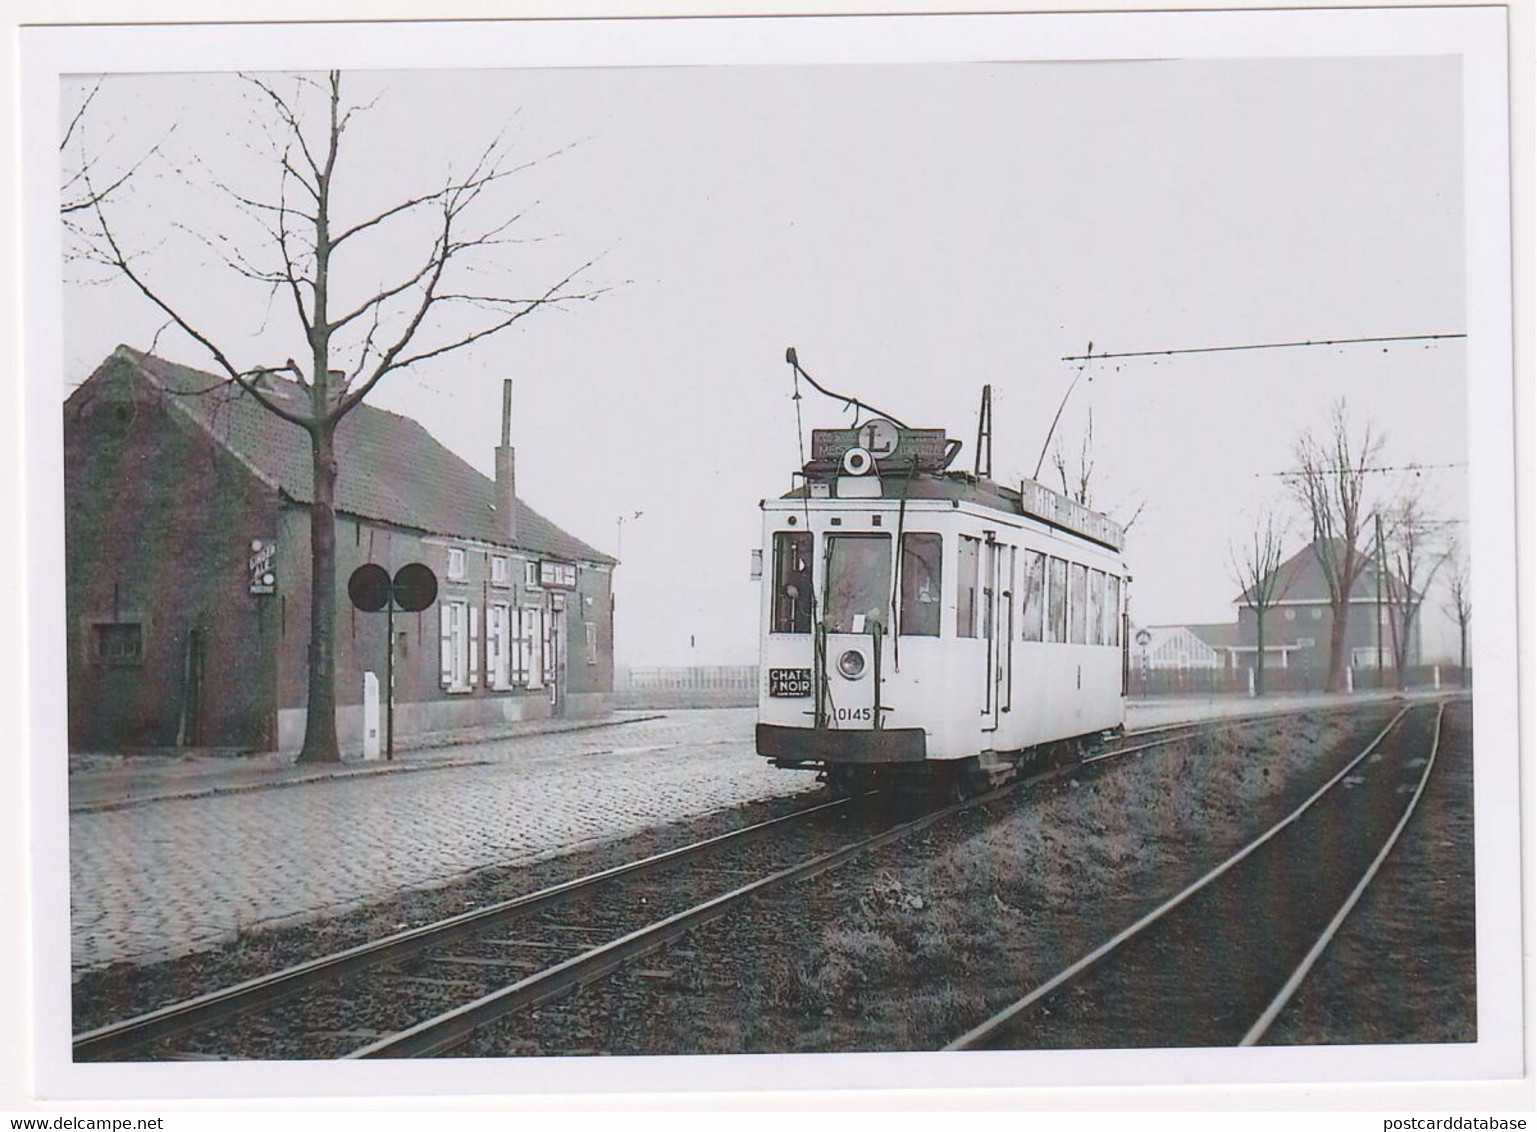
1299 625
187 565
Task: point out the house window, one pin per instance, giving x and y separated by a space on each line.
968 564
459 645
921 578
1078 603
1056 601
118 642
499 665
531 575
499 570
792 582
532 630
592 642
455 563
1033 605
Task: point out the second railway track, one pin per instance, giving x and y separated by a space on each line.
1217 962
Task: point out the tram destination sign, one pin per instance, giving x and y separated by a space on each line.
926 445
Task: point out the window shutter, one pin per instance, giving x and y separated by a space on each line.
474 645
445 645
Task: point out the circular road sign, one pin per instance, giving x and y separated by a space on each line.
416 587
369 587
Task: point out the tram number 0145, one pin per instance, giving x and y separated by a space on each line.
789 682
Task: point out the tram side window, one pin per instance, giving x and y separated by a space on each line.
858 583
792 582
969 557
1077 603
1033 603
922 573
1096 607
1113 613
1056 602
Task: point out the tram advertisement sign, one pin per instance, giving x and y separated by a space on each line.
899 445
260 565
790 682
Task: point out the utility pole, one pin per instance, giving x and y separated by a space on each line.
1377 522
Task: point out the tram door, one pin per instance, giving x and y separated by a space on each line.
998 629
993 633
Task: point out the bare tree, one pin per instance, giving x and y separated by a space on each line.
1256 570
1411 561
1459 588
429 310
1330 483
1077 478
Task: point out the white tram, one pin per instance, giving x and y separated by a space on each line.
994 636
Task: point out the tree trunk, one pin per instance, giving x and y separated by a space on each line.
1338 634
320 744
1259 655
1462 652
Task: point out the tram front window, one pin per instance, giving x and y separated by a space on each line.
792 582
858 583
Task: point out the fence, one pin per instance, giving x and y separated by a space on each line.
736 685
1235 681
691 686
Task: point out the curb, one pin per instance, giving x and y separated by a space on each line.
345 772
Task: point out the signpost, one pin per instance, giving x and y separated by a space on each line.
413 589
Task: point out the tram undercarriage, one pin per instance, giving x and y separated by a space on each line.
963 777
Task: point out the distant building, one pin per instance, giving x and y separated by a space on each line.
1174 648
1299 624
187 563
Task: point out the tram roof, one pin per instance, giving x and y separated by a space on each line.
960 487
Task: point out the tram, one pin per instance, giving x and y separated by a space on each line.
920 622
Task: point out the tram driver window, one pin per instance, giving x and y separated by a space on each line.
921 577
858 583
969 557
792 582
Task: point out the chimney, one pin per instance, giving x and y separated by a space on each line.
506 474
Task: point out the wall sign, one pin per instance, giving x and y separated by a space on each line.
557 575
262 565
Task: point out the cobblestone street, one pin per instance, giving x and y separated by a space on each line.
166 877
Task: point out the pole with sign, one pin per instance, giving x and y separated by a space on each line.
413 588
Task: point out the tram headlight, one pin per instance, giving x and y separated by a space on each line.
852 664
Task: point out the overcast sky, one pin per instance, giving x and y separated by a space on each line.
915 231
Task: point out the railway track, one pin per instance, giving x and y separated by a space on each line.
423 991
1218 962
